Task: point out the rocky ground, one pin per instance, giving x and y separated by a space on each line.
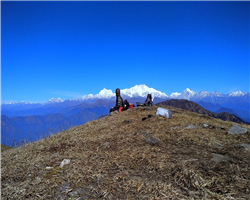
121 156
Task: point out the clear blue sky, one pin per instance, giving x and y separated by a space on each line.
70 49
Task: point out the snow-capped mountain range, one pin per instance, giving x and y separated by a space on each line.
189 94
142 91
136 91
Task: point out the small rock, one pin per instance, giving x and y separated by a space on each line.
64 162
38 179
49 167
176 127
221 127
81 190
245 146
220 158
190 160
127 121
190 126
218 145
205 125
236 130
194 194
151 141
84 197
106 144
61 197
64 186
147 134
73 194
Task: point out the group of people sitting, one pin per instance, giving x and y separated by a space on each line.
121 106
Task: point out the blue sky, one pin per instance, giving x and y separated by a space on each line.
70 49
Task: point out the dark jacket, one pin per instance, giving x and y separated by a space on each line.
148 101
125 103
119 100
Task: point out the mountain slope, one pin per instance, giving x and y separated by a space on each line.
111 158
5 148
209 106
34 127
226 110
194 107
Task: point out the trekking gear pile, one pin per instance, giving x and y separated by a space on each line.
148 101
120 105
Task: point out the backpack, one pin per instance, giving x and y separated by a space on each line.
139 104
125 105
163 113
148 101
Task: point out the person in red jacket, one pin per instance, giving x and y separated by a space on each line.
127 105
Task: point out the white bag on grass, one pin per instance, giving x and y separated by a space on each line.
163 113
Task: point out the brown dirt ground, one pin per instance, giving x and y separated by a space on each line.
178 167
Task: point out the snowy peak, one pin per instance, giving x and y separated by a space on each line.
136 91
142 91
17 103
174 95
204 93
236 94
105 94
54 100
187 94
11 102
217 94
187 90
89 96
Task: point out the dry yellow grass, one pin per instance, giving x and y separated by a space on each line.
4 148
111 160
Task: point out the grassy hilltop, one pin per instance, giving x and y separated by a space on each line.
4 148
110 159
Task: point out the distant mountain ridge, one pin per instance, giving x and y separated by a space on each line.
194 107
20 118
107 94
235 101
33 127
141 91
57 116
